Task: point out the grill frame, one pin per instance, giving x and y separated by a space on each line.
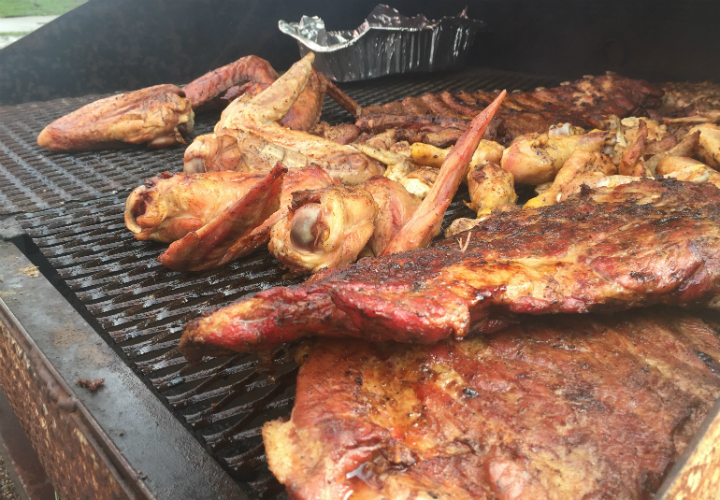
127 436
224 401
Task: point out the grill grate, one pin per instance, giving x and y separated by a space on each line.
142 306
33 179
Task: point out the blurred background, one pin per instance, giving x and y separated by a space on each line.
107 45
21 17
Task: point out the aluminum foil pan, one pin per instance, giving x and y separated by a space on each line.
386 43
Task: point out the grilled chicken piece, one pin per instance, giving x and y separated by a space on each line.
249 138
689 169
708 150
242 151
236 247
630 162
638 138
424 223
487 151
554 408
398 166
394 204
676 163
537 158
204 208
324 228
169 207
685 147
695 173
566 181
439 119
246 70
160 116
490 187
304 114
597 180
425 154
250 75
595 170
222 239
420 181
611 249
342 133
331 227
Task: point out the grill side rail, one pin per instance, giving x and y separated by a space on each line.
116 443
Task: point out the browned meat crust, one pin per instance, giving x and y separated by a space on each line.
580 103
159 115
684 99
250 69
612 249
554 408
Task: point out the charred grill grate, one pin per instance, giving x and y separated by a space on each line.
142 306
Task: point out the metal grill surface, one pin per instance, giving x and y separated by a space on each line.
33 179
142 306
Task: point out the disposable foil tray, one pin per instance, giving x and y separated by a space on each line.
386 43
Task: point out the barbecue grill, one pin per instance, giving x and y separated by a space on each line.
81 298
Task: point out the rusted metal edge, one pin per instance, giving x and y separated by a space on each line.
144 448
696 474
63 433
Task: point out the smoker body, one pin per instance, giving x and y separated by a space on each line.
103 308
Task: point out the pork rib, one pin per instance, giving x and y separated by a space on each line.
615 248
439 118
555 408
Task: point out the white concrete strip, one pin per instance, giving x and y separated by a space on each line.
23 24
6 40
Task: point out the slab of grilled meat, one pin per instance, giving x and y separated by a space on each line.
554 408
439 119
690 103
615 248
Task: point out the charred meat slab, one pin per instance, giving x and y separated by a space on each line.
554 408
617 248
690 103
439 119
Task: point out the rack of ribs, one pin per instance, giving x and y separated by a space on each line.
558 407
439 119
608 249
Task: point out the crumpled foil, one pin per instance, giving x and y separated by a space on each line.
386 43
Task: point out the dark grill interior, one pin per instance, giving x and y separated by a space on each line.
142 306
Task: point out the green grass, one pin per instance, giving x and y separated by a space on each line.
15 8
